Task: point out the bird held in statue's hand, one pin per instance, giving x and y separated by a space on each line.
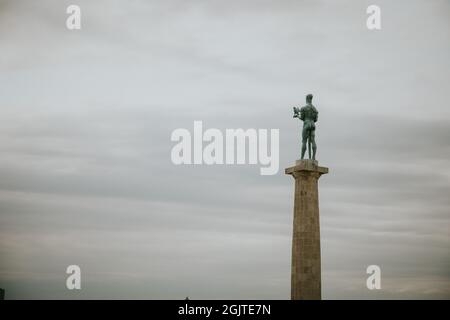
296 112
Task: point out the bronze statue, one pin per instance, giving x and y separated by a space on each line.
308 114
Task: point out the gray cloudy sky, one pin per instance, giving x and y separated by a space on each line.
85 123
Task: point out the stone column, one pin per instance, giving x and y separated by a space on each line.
306 269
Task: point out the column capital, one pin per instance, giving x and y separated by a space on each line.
306 166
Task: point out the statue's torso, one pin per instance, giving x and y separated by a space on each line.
308 114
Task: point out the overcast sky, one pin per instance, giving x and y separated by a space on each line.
86 176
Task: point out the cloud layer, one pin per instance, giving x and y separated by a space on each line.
86 118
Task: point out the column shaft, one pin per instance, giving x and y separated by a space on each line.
306 262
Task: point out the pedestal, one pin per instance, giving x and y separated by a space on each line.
306 268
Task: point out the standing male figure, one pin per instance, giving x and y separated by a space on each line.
308 114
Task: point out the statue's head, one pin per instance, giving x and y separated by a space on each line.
309 97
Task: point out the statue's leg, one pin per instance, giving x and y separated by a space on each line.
303 149
304 140
309 147
313 141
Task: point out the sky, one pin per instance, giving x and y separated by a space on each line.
86 118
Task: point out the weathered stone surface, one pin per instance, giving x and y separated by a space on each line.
306 264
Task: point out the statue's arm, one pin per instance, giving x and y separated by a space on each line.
316 117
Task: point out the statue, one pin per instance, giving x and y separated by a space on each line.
308 114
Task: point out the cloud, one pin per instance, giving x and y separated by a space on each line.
86 176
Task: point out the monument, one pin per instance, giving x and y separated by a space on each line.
306 262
